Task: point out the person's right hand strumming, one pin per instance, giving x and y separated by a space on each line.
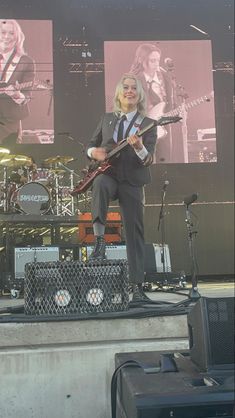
99 154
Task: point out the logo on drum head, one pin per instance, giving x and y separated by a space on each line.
33 198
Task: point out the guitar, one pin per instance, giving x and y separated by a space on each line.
36 84
158 110
97 167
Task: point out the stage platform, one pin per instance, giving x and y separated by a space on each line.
62 367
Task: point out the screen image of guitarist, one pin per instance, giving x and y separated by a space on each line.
175 83
18 83
15 67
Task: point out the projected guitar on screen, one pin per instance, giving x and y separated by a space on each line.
26 82
177 79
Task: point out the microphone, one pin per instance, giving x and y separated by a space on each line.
169 63
166 183
188 200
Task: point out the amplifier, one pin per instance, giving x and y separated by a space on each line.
153 258
113 252
74 287
26 255
113 228
157 258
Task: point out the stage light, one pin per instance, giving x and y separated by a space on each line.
198 29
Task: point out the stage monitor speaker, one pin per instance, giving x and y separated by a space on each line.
65 288
148 392
211 333
24 255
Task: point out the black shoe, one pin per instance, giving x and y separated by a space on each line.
139 295
98 253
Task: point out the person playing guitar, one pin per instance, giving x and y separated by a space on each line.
127 175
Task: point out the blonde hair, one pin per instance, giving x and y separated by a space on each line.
141 105
19 46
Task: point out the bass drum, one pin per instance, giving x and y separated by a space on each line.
31 198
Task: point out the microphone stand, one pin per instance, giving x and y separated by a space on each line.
161 223
193 294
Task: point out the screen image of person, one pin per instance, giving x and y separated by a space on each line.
129 173
160 92
17 74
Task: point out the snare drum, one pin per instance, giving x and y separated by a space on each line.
41 175
31 198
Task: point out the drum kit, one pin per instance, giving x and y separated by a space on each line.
26 189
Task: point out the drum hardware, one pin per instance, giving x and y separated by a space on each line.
41 175
8 160
63 205
69 207
5 190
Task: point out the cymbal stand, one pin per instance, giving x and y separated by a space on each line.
5 190
57 202
69 207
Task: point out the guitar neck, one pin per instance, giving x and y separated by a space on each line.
21 86
37 84
187 106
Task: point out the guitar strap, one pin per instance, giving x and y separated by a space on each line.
134 124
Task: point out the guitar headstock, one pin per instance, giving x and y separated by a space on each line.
209 96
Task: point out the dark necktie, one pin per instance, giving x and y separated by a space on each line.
153 97
120 133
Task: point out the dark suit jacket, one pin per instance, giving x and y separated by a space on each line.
24 71
128 165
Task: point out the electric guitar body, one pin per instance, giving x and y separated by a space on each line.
97 168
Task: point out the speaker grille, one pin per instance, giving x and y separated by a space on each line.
61 288
220 317
211 333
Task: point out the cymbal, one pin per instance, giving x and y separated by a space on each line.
57 171
59 159
4 151
13 160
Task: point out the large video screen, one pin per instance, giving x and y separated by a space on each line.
26 82
177 77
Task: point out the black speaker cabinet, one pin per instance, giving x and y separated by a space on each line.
62 288
185 393
211 333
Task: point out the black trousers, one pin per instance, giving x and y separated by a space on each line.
131 200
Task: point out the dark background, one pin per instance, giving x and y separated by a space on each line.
79 101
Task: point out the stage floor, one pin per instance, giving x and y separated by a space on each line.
206 288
